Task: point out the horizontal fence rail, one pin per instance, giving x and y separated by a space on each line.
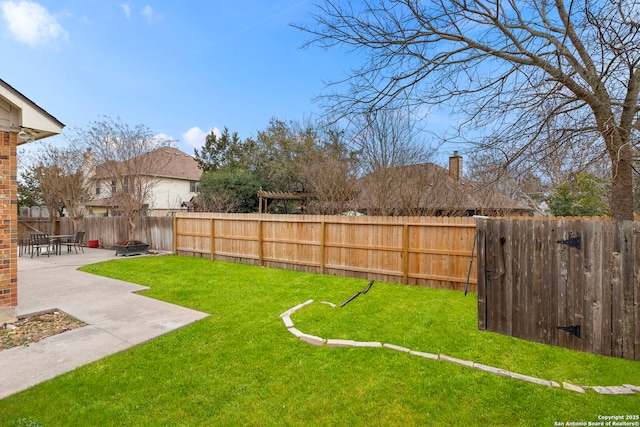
428 251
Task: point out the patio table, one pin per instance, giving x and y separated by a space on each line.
56 241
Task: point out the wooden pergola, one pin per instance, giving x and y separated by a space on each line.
264 197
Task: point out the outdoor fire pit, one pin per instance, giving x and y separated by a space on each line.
131 247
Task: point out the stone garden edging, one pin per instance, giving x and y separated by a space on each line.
336 343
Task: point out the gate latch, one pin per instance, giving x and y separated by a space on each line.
573 330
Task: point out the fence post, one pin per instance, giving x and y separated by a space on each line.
213 239
405 253
481 229
323 227
627 312
260 243
635 249
175 235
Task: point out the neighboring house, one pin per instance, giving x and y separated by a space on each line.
429 189
21 121
177 175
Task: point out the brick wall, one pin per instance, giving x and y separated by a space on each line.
8 223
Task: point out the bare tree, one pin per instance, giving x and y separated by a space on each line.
127 159
386 140
422 192
46 176
219 202
516 181
61 173
422 189
636 177
330 180
329 172
499 62
554 159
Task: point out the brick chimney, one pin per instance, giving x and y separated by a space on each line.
455 166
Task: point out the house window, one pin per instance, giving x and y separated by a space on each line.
113 187
193 186
97 188
126 184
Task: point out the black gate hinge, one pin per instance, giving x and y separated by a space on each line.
574 242
573 330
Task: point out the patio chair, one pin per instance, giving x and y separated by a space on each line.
75 241
24 245
38 242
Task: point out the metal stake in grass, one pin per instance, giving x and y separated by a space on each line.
354 296
473 248
368 287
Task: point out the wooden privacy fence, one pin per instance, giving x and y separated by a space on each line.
154 230
429 251
570 283
43 225
157 231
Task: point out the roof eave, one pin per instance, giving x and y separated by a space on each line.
33 119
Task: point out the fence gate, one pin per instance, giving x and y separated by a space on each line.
569 283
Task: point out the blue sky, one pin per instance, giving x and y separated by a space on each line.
180 68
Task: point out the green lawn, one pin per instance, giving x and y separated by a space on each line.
241 366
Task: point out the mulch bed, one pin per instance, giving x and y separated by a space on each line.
35 328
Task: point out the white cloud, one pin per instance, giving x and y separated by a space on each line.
196 137
127 10
162 138
31 23
147 13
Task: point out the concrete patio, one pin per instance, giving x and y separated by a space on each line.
117 318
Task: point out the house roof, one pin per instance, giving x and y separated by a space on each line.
166 162
24 114
106 202
174 164
432 188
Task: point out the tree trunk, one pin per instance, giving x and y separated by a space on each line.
77 223
622 183
132 228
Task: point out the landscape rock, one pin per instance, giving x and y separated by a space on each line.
397 348
287 321
620 390
372 344
313 340
534 380
34 328
573 387
492 370
458 361
425 355
334 343
295 332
